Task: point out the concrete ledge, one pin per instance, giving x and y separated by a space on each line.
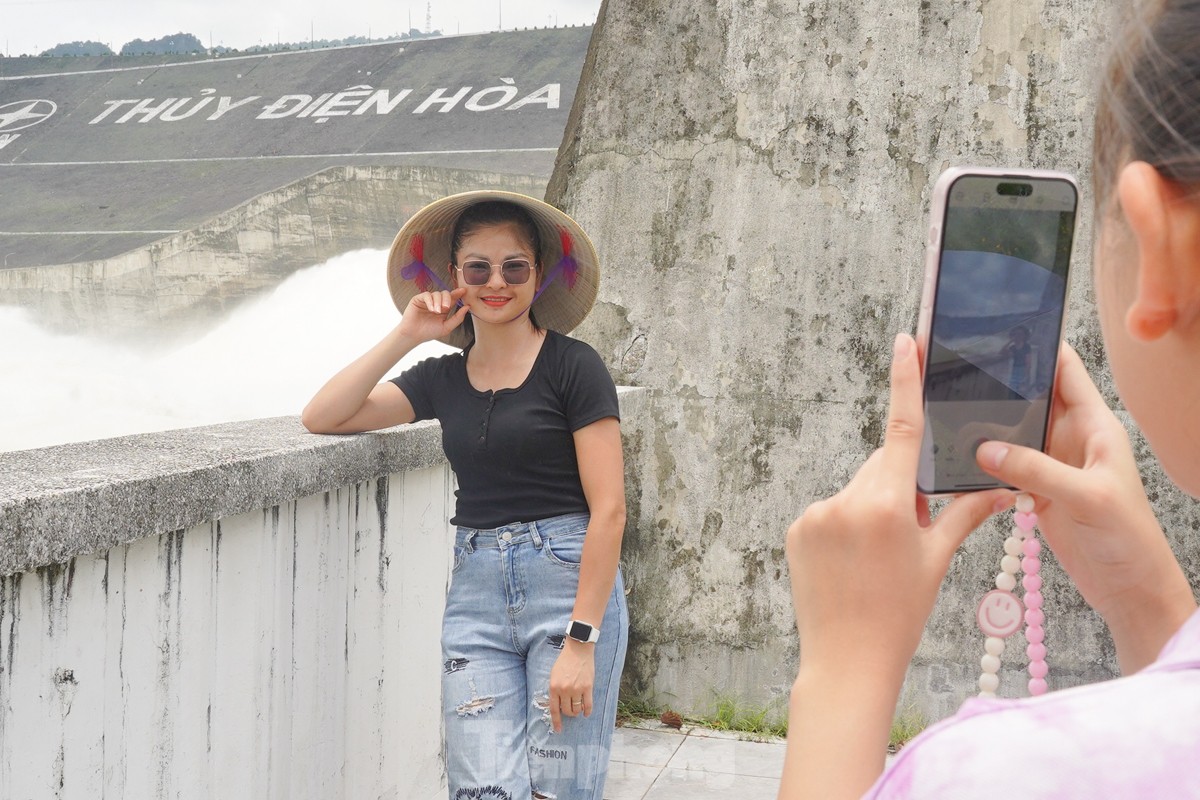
57 503
60 502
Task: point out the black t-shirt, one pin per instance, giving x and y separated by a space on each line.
513 450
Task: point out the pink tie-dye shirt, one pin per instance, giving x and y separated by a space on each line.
1135 737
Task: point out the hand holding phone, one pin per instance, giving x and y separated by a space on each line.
992 314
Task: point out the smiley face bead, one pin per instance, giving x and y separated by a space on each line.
1000 614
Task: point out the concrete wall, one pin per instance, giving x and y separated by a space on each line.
240 610
283 652
756 177
177 284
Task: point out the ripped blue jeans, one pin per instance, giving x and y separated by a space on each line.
510 599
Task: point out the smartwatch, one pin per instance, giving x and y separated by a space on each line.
582 632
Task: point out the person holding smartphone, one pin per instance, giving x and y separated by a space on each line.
866 564
996 279
535 626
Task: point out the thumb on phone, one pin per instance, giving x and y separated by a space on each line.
1029 470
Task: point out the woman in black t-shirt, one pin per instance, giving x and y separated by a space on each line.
535 627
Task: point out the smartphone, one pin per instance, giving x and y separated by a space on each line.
992 314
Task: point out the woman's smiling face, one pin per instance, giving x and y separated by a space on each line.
496 301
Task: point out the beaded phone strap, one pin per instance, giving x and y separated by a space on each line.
1000 613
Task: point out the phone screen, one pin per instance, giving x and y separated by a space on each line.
996 322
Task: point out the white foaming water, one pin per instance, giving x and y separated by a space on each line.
265 359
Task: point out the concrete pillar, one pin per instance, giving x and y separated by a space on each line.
757 178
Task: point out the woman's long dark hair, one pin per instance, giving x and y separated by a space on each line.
485 215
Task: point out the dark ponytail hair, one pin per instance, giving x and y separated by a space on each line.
1149 104
490 213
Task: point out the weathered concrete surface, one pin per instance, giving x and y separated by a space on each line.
182 282
757 179
96 162
58 503
286 652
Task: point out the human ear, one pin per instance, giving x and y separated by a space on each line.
1167 233
453 276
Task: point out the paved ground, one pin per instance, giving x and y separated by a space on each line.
659 763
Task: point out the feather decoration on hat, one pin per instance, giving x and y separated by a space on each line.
417 270
569 266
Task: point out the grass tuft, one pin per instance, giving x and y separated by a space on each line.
732 715
907 723
633 709
729 714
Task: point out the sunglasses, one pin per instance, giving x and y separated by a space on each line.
514 271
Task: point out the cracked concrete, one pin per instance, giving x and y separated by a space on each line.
756 178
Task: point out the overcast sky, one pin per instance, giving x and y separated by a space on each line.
31 26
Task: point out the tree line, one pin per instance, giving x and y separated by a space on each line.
189 44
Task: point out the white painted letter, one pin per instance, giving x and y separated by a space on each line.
547 95
170 116
6 138
507 93
314 104
342 100
446 103
113 105
382 102
147 111
224 105
280 108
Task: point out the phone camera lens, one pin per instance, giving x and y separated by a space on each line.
1014 189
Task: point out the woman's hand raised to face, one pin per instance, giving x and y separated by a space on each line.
866 564
428 315
1093 511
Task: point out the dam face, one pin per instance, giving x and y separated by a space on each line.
762 226
143 164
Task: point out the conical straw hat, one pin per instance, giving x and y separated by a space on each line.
420 257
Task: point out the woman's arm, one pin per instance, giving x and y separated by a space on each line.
865 568
354 400
602 473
